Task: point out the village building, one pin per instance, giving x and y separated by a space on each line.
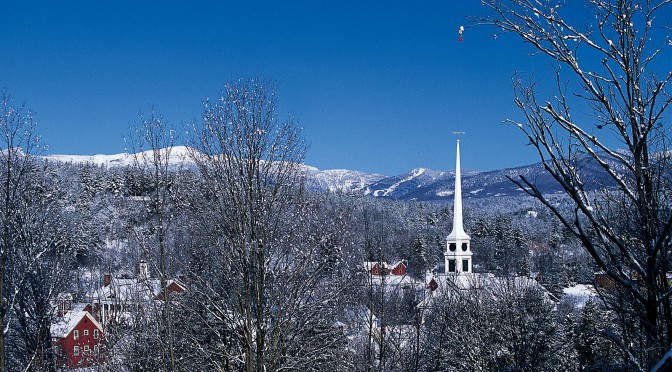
125 296
77 337
383 268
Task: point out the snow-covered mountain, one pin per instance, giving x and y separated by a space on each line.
420 184
339 180
178 154
431 185
332 180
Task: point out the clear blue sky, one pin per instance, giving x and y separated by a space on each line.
377 86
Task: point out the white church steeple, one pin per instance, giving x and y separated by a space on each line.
458 251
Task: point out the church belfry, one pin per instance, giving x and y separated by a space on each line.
458 243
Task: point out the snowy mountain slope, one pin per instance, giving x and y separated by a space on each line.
178 155
420 184
339 180
432 185
332 180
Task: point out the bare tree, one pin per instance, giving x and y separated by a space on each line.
151 143
612 68
34 253
267 296
19 141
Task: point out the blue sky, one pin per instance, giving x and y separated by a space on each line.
377 86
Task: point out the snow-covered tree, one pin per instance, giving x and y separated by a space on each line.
152 142
34 254
613 65
262 291
504 325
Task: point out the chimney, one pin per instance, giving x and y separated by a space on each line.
144 271
64 303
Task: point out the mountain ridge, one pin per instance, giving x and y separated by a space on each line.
421 184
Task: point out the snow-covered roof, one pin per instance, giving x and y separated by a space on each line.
453 283
400 262
132 290
127 290
580 293
64 325
394 281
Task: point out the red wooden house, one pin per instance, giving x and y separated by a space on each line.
379 268
78 340
398 268
383 268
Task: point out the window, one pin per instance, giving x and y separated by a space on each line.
75 334
95 333
451 266
96 349
75 350
451 246
86 349
465 266
86 332
464 247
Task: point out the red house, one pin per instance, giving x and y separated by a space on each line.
78 340
383 268
399 268
379 268
172 286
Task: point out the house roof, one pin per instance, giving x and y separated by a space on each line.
132 290
64 325
393 282
580 293
368 265
127 290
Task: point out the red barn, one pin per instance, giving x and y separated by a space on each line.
78 340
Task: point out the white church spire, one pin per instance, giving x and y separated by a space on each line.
458 225
458 251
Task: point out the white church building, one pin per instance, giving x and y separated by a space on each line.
458 272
